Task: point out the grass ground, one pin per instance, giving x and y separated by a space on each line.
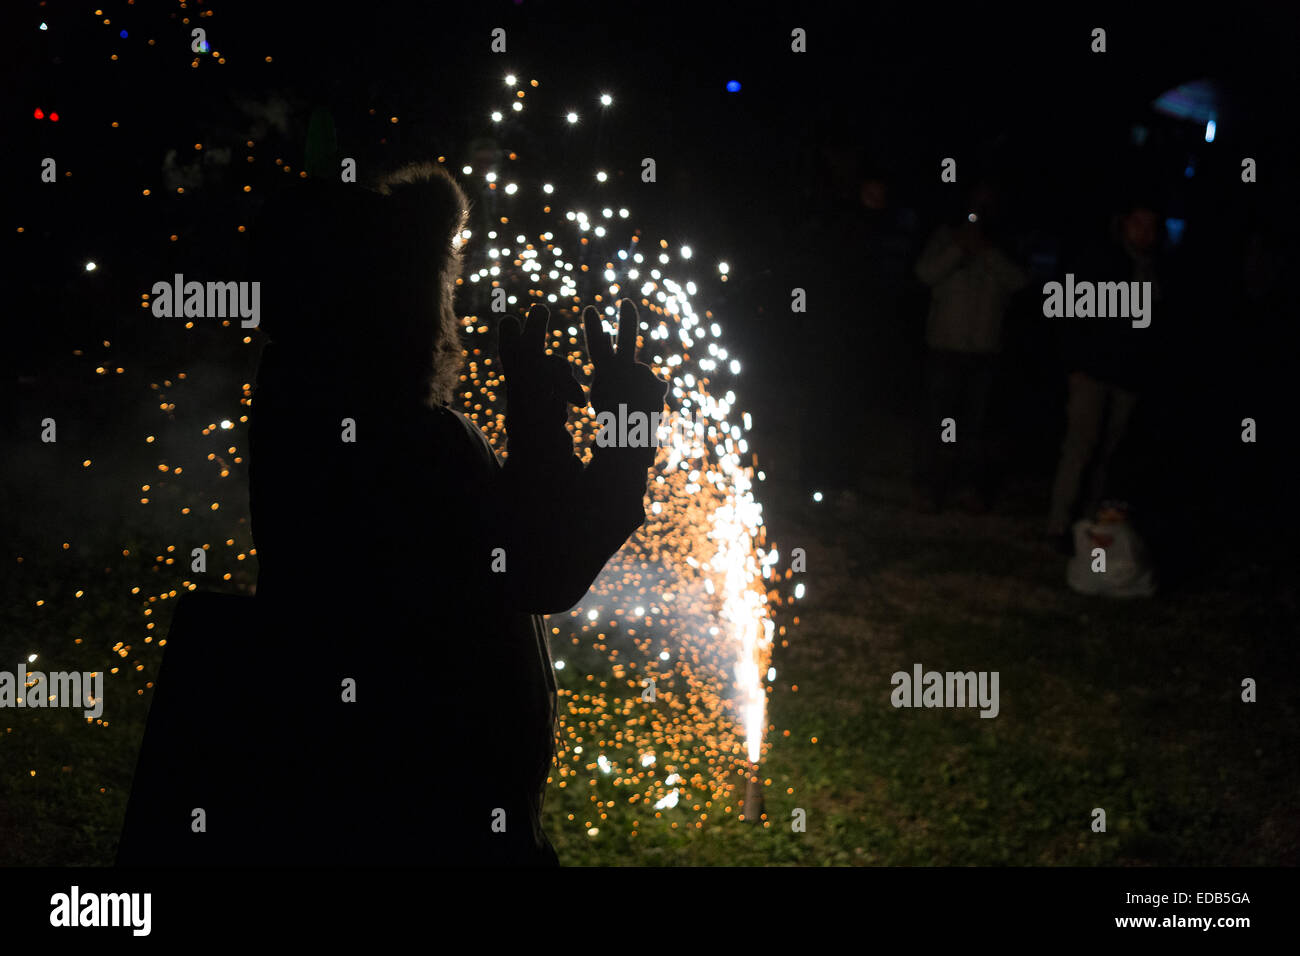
1133 707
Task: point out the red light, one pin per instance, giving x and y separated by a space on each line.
40 113
54 117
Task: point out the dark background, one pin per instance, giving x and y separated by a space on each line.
766 178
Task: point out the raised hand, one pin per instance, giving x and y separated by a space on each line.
539 387
619 378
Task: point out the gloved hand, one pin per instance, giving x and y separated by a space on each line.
539 387
618 378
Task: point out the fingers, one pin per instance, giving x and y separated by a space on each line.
510 333
575 394
625 349
628 319
562 382
534 337
598 345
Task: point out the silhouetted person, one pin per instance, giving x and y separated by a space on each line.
971 280
400 562
1108 363
851 335
878 253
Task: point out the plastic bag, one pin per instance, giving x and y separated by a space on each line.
1123 566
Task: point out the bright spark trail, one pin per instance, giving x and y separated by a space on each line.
662 667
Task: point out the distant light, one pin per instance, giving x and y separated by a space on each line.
686 252
771 673
622 214
548 188
1175 227
517 106
38 113
798 591
1190 171
510 79
559 665
31 658
466 170
511 189
91 267
667 802
601 176
496 116
733 86
723 268
1209 131
664 655
43 26
572 117
607 212
54 117
817 496
122 34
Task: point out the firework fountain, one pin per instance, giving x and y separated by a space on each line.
681 617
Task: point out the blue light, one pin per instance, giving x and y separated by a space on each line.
122 34
1175 227
1209 131
733 86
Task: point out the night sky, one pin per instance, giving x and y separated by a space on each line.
740 173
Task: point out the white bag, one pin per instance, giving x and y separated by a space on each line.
1128 571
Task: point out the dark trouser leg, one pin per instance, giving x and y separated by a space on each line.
937 459
1083 414
1120 403
973 425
